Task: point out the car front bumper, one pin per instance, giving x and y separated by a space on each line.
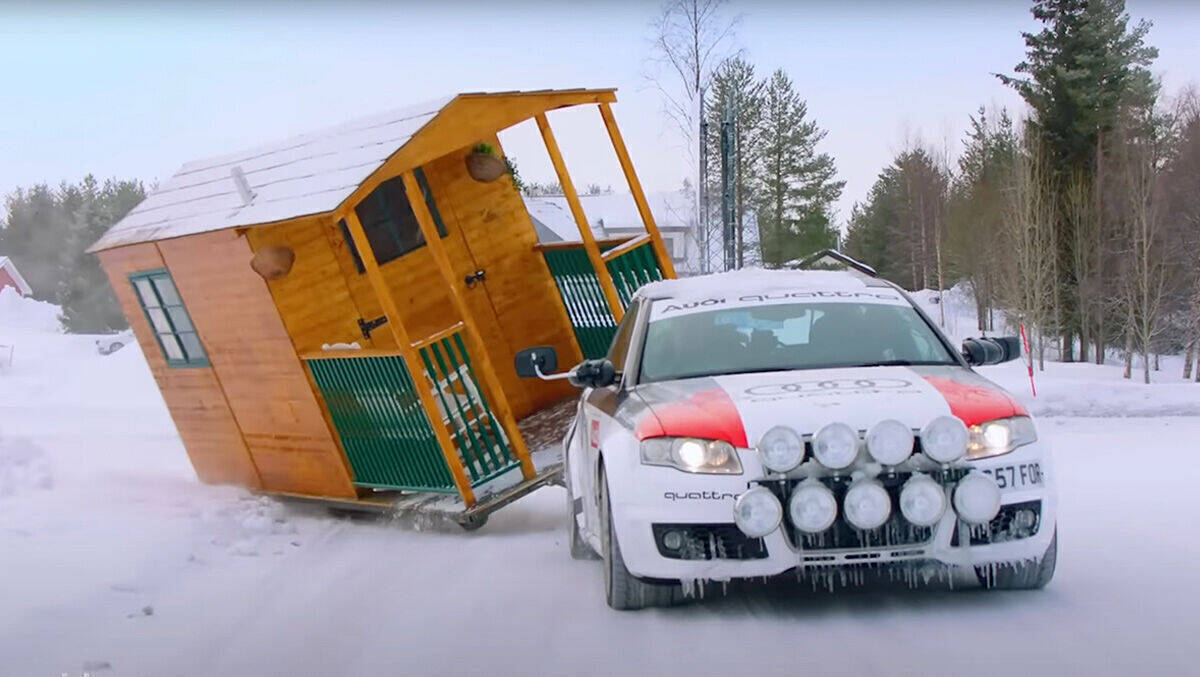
668 496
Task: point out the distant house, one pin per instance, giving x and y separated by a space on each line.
831 259
11 277
614 215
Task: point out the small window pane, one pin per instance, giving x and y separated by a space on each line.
159 319
180 319
191 343
171 347
145 292
169 319
166 291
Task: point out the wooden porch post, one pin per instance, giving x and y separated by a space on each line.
585 231
415 368
434 242
635 187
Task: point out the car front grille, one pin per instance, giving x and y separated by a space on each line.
706 541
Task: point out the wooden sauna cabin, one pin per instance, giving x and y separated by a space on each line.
335 315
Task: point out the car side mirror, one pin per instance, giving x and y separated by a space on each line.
531 361
985 351
594 374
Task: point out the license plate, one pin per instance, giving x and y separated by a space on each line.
1016 477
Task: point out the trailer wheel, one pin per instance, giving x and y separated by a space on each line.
578 547
473 523
623 590
1024 576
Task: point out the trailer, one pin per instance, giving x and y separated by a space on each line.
334 316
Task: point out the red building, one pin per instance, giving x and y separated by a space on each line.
11 277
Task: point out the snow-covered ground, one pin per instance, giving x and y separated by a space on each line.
114 560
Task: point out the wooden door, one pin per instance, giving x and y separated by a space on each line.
515 302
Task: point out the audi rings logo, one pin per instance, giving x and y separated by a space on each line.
827 385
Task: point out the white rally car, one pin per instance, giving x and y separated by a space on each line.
753 423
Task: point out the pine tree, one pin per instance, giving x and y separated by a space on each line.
47 233
796 187
978 205
895 231
1079 71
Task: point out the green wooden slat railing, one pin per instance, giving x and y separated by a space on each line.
383 428
387 435
580 290
633 269
583 297
482 443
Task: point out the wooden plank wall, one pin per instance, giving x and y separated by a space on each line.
193 395
319 300
266 385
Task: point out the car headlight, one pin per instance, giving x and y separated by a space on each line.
835 445
813 507
691 454
993 438
757 512
890 442
944 439
781 449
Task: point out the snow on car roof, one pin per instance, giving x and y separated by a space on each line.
754 280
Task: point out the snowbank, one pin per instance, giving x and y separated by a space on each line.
26 314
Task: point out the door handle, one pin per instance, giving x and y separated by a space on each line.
476 277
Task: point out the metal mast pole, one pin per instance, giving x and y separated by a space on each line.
702 193
728 210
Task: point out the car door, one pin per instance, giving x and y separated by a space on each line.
598 419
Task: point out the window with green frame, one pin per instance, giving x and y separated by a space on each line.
169 319
389 222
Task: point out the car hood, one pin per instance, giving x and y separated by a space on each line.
739 408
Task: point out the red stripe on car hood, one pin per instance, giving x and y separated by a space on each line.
975 404
708 414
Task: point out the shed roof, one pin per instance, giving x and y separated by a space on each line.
314 173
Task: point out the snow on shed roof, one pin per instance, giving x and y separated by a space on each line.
306 174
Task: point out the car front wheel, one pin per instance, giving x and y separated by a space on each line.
623 590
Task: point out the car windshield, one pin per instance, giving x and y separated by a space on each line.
788 336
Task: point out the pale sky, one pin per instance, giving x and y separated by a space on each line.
136 89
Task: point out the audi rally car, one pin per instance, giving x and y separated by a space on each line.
753 423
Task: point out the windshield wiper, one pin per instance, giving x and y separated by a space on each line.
897 363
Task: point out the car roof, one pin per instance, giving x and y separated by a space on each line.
758 280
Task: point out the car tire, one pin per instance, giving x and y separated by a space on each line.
115 347
575 542
623 590
1032 575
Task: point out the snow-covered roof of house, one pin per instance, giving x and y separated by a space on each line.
311 173
608 212
831 258
7 265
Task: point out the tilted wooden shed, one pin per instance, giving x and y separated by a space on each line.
317 331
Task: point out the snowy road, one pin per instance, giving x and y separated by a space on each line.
112 555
